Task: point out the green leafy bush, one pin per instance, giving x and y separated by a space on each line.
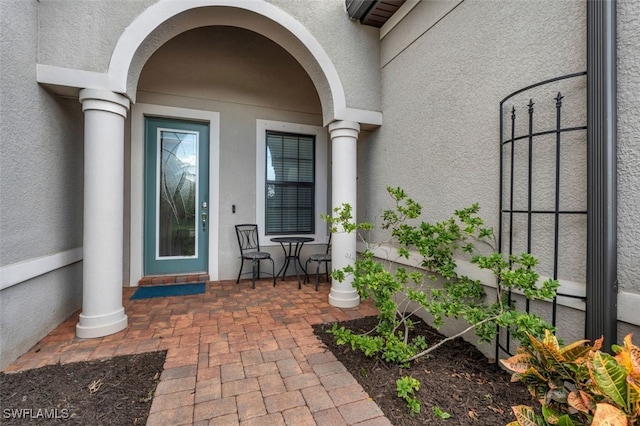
443 415
393 287
406 388
396 290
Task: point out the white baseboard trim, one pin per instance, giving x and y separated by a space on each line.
17 273
629 307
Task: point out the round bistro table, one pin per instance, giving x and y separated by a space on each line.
292 253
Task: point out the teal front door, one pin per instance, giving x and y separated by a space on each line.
176 196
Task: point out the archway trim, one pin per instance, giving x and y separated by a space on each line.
67 82
153 17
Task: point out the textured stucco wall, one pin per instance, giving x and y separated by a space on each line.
629 145
41 150
41 179
244 77
441 91
83 33
443 80
230 64
354 49
30 310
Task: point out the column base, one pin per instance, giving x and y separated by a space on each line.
98 326
344 299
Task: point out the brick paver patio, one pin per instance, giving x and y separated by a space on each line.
235 356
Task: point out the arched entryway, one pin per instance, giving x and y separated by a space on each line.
106 100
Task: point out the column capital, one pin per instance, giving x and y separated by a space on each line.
344 128
104 100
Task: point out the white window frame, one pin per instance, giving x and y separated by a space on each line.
321 177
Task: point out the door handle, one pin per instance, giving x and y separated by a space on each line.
204 215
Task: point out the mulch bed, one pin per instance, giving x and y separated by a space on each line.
114 391
456 378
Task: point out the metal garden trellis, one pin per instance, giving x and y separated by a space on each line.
509 211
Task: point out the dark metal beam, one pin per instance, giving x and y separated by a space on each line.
372 12
358 8
602 274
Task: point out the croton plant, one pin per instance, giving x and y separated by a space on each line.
578 384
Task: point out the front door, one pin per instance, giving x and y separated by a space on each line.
176 196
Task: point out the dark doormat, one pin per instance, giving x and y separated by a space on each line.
149 292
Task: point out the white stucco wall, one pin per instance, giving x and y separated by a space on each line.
442 89
445 68
244 77
30 310
354 51
41 175
629 145
82 34
41 150
230 64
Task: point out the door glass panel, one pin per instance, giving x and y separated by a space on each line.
178 194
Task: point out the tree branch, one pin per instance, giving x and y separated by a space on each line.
443 341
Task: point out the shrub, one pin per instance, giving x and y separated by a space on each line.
406 388
578 384
394 289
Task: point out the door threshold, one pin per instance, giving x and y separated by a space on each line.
173 279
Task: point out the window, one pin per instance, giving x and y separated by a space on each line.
291 180
290 189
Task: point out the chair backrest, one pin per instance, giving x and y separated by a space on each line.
247 238
329 244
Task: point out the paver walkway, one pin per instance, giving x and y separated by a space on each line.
235 356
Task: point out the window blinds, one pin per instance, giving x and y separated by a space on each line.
290 191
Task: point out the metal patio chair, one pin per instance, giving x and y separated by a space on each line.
320 258
250 250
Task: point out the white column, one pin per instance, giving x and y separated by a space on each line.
344 137
102 311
